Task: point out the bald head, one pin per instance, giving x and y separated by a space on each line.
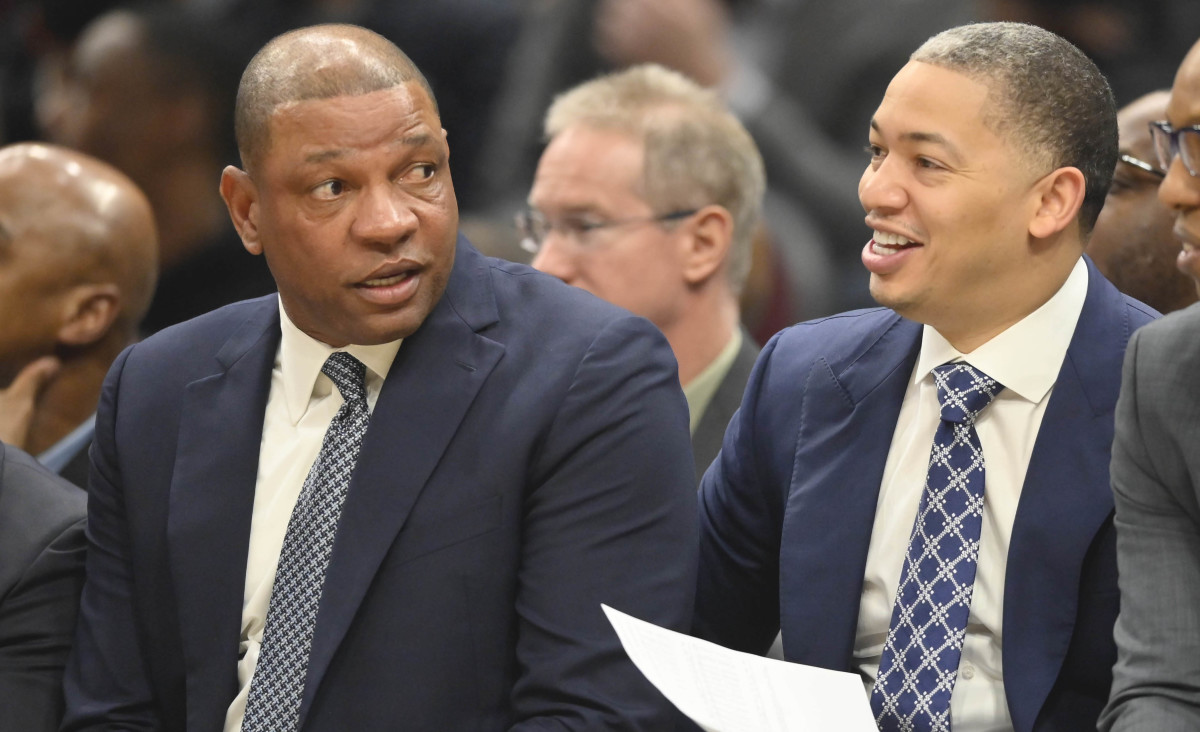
318 62
67 219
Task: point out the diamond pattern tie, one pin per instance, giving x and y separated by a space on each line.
929 620
273 704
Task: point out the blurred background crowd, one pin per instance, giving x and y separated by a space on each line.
149 88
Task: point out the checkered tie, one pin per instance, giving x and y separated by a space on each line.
273 704
929 621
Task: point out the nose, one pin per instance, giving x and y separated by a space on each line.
555 257
1179 190
880 188
385 216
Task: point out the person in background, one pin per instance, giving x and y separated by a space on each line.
150 91
648 195
1156 469
78 256
1133 244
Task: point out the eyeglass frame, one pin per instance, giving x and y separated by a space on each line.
1142 165
1161 128
532 243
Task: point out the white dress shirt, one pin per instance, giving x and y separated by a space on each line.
1026 359
300 406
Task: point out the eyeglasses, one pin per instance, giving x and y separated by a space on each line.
1184 142
534 227
1142 165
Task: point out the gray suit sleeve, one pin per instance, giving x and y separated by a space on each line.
1156 681
42 551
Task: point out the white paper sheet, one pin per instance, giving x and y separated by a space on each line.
728 691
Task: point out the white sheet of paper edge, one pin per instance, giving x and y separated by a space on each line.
729 691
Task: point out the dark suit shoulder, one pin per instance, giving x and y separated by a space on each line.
838 339
36 506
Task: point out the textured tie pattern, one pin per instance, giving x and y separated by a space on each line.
929 620
273 704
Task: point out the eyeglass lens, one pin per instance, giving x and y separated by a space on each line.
1169 141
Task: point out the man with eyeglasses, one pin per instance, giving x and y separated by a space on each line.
1133 244
648 196
919 493
1156 468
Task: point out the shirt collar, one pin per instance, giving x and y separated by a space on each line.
301 357
1027 357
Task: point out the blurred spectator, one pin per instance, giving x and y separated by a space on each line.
1136 43
649 195
36 37
77 264
150 91
1133 244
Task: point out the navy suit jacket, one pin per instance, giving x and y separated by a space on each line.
527 460
787 509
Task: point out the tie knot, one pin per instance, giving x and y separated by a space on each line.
348 375
963 391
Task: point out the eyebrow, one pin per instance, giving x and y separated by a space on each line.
933 138
409 141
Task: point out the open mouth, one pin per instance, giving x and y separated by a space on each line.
884 243
387 281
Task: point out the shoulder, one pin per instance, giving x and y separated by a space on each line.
1169 347
36 506
841 340
545 313
187 350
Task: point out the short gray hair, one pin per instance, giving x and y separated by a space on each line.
317 62
696 152
1045 95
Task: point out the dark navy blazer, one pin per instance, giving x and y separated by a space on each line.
527 460
786 511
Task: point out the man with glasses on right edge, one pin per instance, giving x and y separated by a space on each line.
1156 469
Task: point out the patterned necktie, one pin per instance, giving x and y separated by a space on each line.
273 704
929 621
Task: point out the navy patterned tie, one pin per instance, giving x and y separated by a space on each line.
273 704
929 620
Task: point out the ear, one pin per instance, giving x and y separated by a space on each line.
241 198
89 313
1058 198
710 235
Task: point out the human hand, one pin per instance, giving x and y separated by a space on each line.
690 36
19 400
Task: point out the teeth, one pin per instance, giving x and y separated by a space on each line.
890 240
385 281
887 243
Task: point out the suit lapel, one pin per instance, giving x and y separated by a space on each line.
845 434
211 502
432 383
1065 501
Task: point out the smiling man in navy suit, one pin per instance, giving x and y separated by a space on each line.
959 555
493 454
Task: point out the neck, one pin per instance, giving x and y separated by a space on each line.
967 330
69 399
701 332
